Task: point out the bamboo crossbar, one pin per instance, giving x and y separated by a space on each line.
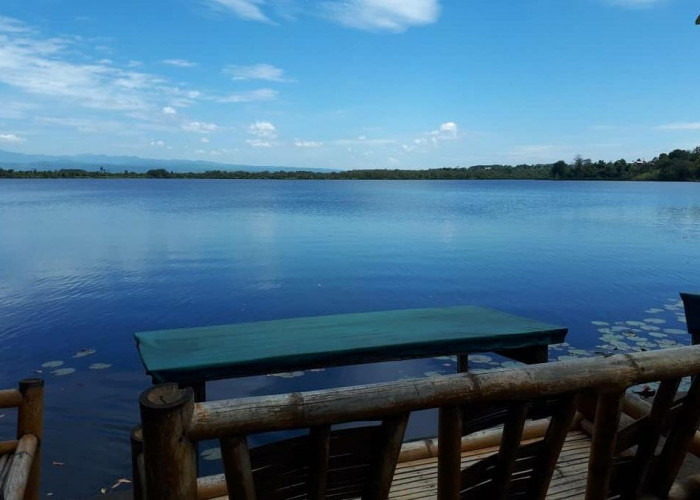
10 398
289 411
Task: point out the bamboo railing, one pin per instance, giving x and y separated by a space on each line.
172 424
21 457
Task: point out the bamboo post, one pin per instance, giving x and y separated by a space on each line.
607 416
239 475
508 450
449 452
678 440
30 420
17 483
386 456
319 451
10 398
553 441
651 432
137 465
169 456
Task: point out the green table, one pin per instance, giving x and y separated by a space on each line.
194 356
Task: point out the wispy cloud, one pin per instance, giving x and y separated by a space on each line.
383 15
447 131
249 10
257 72
307 144
680 126
264 133
250 96
11 138
635 4
169 110
200 127
180 63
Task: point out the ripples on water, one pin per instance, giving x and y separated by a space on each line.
84 264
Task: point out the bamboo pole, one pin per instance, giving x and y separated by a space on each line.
508 450
449 453
169 456
607 417
30 420
239 475
8 446
288 411
138 473
16 485
386 454
319 452
10 398
211 487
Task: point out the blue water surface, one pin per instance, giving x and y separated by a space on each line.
86 263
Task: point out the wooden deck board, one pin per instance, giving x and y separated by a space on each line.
418 480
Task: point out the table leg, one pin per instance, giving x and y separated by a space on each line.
528 355
462 363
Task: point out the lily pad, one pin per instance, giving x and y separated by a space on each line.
287 374
600 323
479 358
84 352
675 331
211 454
653 310
651 328
62 371
656 321
52 364
99 366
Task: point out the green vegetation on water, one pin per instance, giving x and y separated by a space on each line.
678 165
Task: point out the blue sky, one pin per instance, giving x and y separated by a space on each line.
350 83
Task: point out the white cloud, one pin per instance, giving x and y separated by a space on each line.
680 126
383 15
256 72
42 66
307 144
10 25
204 140
201 127
263 129
157 144
11 138
635 4
180 63
448 129
245 9
259 143
251 96
169 110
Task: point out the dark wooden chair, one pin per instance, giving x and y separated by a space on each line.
20 458
616 457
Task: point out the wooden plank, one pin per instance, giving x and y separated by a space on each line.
449 463
239 475
187 355
507 453
386 457
319 450
553 442
606 421
16 485
288 411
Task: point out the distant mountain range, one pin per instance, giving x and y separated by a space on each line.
21 161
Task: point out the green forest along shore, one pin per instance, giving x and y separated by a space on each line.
678 165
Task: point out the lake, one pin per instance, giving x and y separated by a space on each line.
86 263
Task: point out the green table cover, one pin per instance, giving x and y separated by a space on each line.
215 352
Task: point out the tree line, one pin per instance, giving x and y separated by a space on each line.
678 165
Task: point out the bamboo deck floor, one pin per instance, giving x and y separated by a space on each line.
418 479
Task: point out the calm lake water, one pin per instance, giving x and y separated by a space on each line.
86 263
